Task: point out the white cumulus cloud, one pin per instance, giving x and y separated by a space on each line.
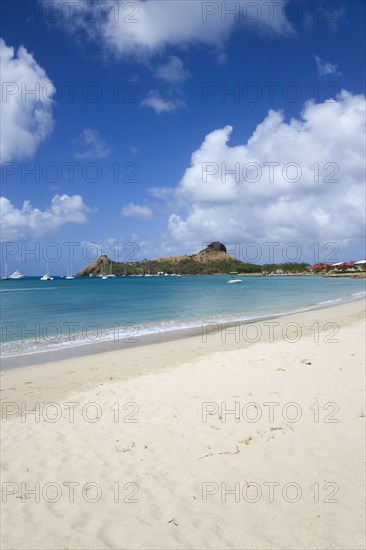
292 181
26 105
325 68
173 71
29 222
155 101
141 28
133 210
161 193
93 144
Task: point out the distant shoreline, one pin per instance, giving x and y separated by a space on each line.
360 275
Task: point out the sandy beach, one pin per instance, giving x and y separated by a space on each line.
238 438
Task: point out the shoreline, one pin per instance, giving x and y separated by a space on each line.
152 335
137 360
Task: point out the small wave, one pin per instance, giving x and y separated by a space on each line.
331 301
27 289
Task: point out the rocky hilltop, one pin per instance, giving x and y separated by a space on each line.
213 252
95 268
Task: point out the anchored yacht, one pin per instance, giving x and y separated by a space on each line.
16 275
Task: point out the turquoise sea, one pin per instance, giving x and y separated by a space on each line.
50 315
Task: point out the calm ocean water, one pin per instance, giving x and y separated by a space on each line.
43 315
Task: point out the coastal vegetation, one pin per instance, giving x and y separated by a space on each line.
216 267
213 260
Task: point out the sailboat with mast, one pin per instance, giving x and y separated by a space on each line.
69 272
46 276
104 275
110 270
5 276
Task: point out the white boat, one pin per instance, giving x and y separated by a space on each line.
69 276
46 276
105 275
110 274
16 275
234 281
5 276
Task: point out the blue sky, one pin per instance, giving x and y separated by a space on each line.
162 83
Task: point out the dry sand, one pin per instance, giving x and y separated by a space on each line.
137 448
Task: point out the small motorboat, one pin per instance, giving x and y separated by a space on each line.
16 275
234 281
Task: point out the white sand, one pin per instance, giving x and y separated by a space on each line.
169 453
